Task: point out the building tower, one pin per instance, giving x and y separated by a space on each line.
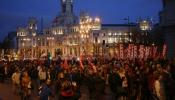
67 17
32 24
167 22
67 6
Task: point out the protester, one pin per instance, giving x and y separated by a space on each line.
42 74
149 79
26 86
45 92
16 81
67 92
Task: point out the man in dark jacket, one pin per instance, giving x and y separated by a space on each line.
45 91
100 87
115 83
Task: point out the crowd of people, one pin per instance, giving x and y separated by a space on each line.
151 79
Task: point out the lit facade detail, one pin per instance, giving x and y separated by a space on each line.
145 25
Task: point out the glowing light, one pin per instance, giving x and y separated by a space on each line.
90 19
28 39
98 41
23 44
34 34
145 25
30 27
97 19
78 59
82 36
130 40
110 34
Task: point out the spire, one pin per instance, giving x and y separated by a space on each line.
67 16
32 23
66 6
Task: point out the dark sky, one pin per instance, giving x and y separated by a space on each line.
15 13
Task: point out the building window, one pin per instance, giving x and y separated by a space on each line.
103 42
120 33
64 8
110 34
111 40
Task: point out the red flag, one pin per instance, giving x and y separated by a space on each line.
141 51
147 49
164 50
65 64
129 52
135 51
154 51
92 66
121 51
81 64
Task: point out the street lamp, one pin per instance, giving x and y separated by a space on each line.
129 29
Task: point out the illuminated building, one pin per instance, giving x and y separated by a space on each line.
73 36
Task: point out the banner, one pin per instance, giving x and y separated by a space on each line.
154 52
141 52
129 52
135 51
121 51
147 49
164 50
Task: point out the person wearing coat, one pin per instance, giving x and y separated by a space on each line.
26 85
16 81
45 92
159 87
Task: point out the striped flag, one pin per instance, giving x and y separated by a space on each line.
154 51
121 51
147 49
141 51
164 50
92 66
135 51
129 52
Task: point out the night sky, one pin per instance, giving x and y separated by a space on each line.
14 13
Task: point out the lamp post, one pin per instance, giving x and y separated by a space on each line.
86 25
129 28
